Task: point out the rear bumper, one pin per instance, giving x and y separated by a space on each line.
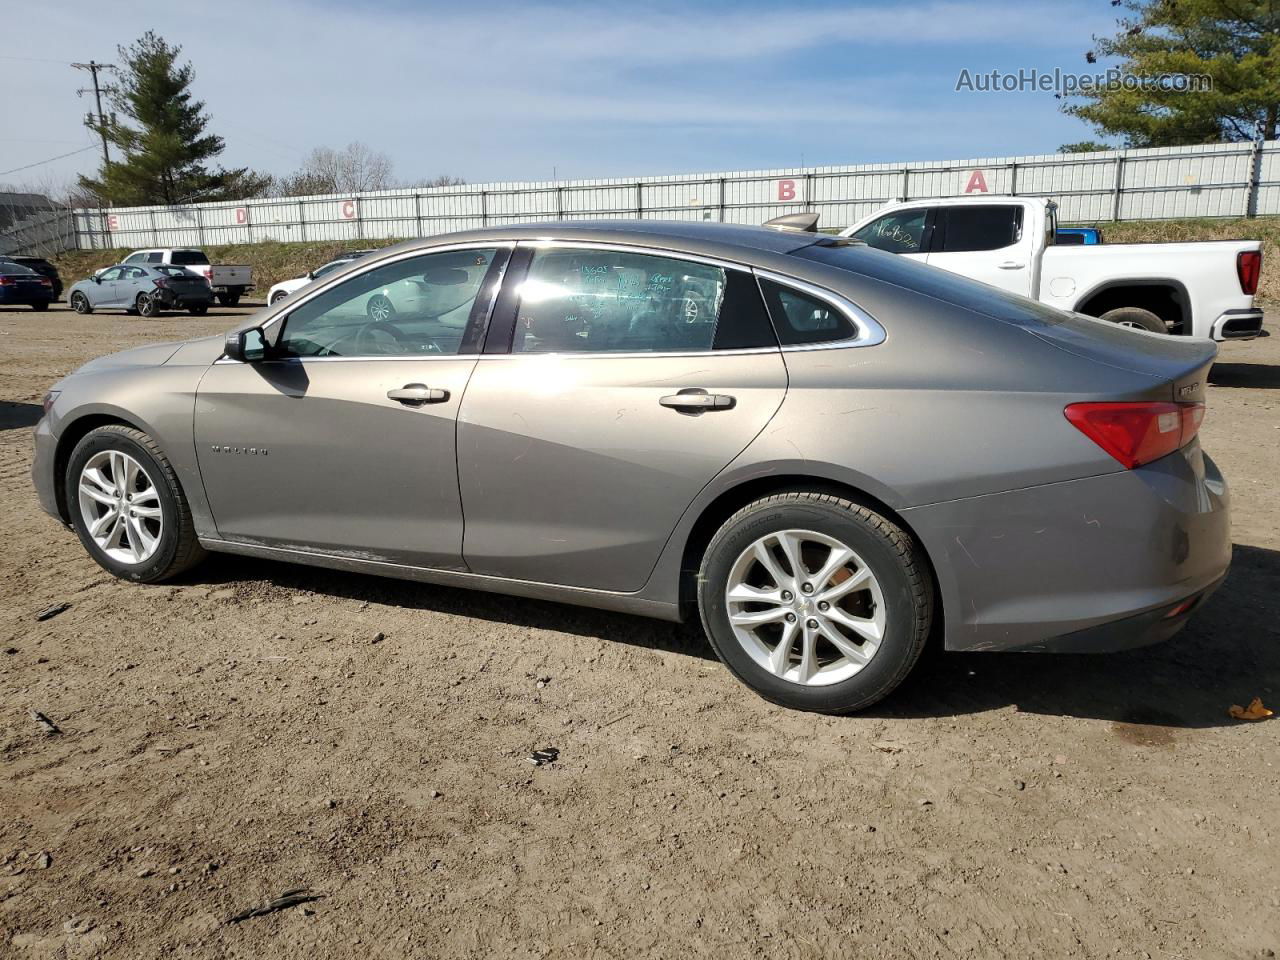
1238 325
1092 564
172 298
25 297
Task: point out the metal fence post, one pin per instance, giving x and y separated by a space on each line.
248 222
1013 179
359 219
1117 187
302 221
155 234
722 199
559 202
808 193
417 214
1255 179
906 179
639 200
484 208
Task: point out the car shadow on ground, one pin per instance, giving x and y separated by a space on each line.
1258 376
15 415
1228 654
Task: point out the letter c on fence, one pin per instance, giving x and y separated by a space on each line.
348 209
786 189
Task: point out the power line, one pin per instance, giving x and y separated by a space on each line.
39 163
93 67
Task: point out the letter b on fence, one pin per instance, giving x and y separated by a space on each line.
786 189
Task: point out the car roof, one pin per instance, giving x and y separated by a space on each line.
738 242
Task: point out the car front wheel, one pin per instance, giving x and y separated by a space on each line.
127 506
816 602
80 303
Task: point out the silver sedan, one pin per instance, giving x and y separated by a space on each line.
830 455
142 289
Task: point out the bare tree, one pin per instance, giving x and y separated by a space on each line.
443 180
353 169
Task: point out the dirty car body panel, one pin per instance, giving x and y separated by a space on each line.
562 473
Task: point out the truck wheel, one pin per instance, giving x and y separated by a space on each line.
1135 317
278 296
229 299
198 311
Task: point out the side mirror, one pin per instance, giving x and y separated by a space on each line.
96 279
246 346
311 274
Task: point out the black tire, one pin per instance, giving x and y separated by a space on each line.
1135 317
38 307
198 311
148 306
80 304
229 299
894 557
178 549
380 308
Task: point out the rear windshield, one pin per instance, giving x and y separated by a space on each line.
173 271
932 282
36 263
9 267
188 256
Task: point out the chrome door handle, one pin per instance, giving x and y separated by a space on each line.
415 394
1011 265
695 401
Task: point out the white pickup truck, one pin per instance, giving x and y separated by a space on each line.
1189 289
229 281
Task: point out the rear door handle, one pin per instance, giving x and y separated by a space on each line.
416 394
698 400
1011 265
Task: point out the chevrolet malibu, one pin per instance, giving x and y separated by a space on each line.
829 453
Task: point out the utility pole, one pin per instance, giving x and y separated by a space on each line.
93 67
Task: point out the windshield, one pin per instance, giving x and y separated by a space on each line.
8 266
188 256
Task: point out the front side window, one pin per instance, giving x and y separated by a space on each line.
800 318
136 258
970 229
328 268
898 232
602 301
417 306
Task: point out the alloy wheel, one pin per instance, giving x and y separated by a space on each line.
380 309
120 506
805 607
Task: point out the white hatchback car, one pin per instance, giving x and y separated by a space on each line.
285 287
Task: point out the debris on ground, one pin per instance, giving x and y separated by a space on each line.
47 725
50 612
545 755
1254 711
378 637
290 898
887 746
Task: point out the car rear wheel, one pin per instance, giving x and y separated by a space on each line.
815 602
127 506
80 303
147 305
380 308
1136 317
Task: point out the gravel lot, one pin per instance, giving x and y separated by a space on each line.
245 732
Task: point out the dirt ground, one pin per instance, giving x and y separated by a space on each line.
245 732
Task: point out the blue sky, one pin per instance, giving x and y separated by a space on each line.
506 90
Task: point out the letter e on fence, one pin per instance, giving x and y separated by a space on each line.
348 209
113 222
977 183
786 189
242 216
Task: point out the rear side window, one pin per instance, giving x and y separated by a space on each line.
156 257
184 257
969 229
577 300
800 318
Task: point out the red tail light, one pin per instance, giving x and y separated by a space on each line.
1137 433
46 282
162 282
1249 269
7 282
